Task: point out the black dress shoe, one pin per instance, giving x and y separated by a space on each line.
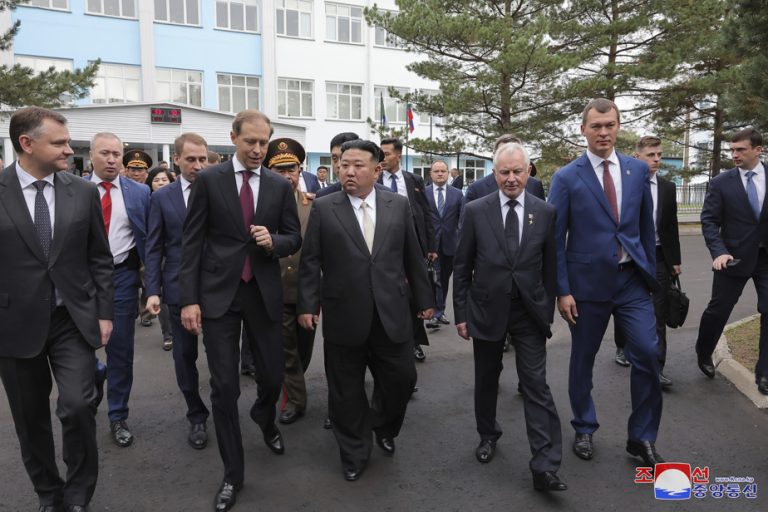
327 424
198 437
49 508
507 345
485 450
226 497
665 381
248 370
582 446
645 450
146 322
762 385
443 320
352 474
418 353
548 481
386 443
432 324
77 508
706 366
621 359
289 416
120 433
274 439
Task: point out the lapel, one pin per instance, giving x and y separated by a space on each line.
383 221
737 186
410 185
493 213
627 175
177 200
587 174
264 200
529 221
12 199
129 200
430 192
228 190
63 207
661 194
342 208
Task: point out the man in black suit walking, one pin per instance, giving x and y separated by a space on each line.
735 226
55 306
504 283
456 179
230 275
361 255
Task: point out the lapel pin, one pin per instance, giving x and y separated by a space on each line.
530 219
627 172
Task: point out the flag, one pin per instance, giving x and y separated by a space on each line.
383 122
409 118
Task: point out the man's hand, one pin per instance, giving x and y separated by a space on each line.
462 330
432 256
676 270
105 328
426 314
191 318
721 261
308 321
262 236
567 306
153 304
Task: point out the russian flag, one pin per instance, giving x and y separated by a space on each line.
409 117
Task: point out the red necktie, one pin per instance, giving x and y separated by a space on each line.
246 205
610 191
106 204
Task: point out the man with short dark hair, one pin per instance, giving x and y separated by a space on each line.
456 179
322 176
56 307
336 143
735 227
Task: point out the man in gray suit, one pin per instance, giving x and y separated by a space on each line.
504 283
361 254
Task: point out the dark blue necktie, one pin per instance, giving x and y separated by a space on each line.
393 183
752 194
512 228
440 201
42 218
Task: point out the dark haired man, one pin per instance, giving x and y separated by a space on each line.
322 176
336 143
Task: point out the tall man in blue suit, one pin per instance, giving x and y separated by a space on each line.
167 211
308 182
124 205
446 204
735 226
606 260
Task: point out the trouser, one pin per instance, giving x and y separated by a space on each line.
185 365
297 346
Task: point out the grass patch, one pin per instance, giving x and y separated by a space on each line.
743 341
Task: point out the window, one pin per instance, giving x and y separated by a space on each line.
117 83
179 86
394 109
326 161
238 15
294 97
183 12
421 166
294 18
473 169
117 8
40 64
343 23
423 117
384 38
344 101
237 92
50 4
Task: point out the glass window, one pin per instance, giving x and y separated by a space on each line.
294 97
396 111
182 12
117 83
423 117
242 15
237 92
294 18
384 38
179 85
344 101
62 5
40 64
117 8
343 23
472 169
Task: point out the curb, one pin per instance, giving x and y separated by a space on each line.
735 372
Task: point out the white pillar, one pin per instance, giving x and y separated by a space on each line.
147 45
167 153
268 60
9 155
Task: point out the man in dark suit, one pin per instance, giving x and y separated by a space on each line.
322 176
309 182
55 306
606 252
457 180
336 143
125 205
664 194
446 204
505 284
735 226
361 254
167 211
230 275
411 186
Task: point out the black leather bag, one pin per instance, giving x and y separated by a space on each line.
677 304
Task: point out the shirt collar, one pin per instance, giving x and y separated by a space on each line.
504 199
759 169
395 174
95 179
239 167
652 178
597 161
370 199
184 183
26 179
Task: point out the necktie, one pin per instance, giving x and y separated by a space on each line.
42 218
752 194
512 228
610 191
246 205
393 183
106 204
368 227
440 201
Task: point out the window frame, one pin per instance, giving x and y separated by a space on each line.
187 82
49 6
231 87
284 92
400 107
245 3
337 95
350 23
106 65
186 22
118 16
280 6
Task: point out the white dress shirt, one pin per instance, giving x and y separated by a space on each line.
253 182
302 183
613 167
356 202
29 190
186 189
758 179
519 209
435 186
655 196
387 182
120 234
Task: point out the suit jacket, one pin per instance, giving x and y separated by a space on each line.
289 266
215 243
587 235
666 222
79 265
414 186
136 199
487 185
311 181
162 265
338 272
729 225
484 272
446 226
458 182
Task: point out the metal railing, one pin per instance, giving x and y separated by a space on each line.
690 198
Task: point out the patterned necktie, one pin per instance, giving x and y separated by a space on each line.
42 218
512 228
440 201
368 227
610 191
393 183
752 194
246 205
106 204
